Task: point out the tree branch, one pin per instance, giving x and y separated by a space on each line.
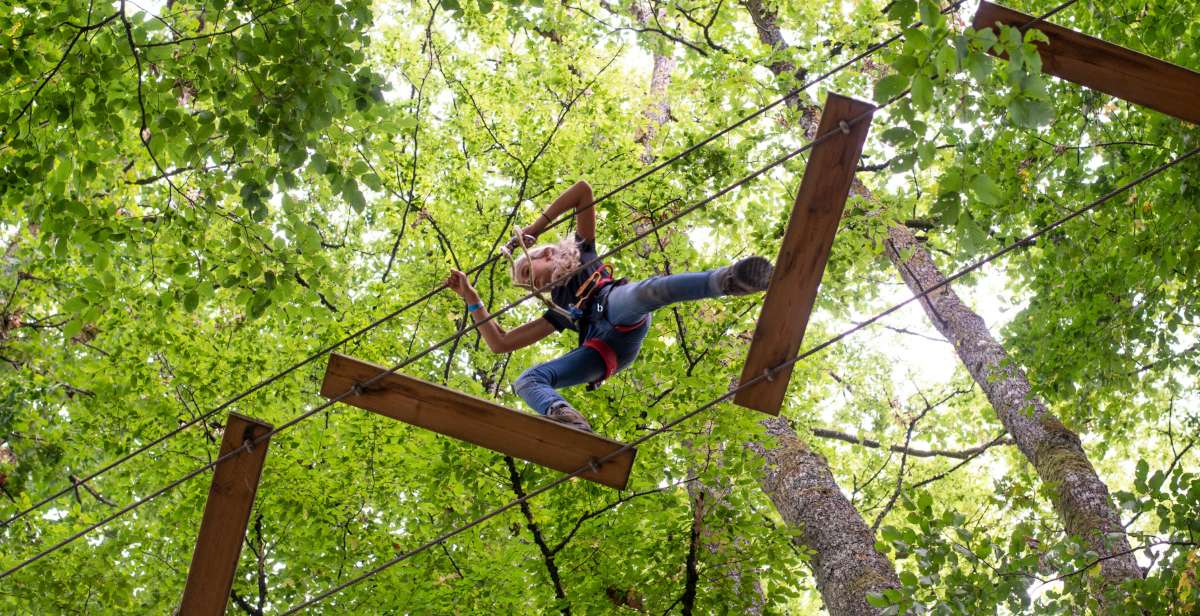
547 554
222 32
80 31
963 454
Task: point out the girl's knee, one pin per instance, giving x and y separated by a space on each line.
652 291
532 377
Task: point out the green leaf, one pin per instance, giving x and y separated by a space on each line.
931 15
1140 472
72 328
922 91
986 190
898 135
980 65
903 11
1030 114
353 196
889 87
191 300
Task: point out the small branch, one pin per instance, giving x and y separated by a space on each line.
943 474
963 454
547 554
1168 472
904 457
80 31
144 133
621 499
96 495
304 283
222 32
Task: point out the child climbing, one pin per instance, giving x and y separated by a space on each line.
610 316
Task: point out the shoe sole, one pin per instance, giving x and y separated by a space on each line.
753 274
576 425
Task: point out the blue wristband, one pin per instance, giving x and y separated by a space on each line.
473 307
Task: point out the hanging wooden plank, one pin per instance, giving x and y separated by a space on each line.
805 249
475 420
234 483
1100 65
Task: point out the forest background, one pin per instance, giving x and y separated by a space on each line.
197 195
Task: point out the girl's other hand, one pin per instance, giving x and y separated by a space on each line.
457 282
527 238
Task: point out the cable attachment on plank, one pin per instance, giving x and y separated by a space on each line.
248 439
357 389
769 374
844 127
593 465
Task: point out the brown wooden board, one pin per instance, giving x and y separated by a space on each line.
475 420
234 483
1100 65
805 249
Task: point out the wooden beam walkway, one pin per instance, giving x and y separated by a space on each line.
804 252
475 420
1108 68
226 514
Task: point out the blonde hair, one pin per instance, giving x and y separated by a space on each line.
564 257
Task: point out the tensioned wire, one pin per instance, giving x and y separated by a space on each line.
766 375
358 388
476 269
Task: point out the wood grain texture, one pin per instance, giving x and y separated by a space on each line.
1108 68
475 420
805 250
230 497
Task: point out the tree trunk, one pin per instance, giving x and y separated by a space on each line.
658 111
845 563
770 34
1079 496
707 502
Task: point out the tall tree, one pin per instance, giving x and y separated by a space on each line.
1079 495
844 561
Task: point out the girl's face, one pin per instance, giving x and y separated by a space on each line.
538 270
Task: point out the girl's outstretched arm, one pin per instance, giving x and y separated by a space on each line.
579 198
498 340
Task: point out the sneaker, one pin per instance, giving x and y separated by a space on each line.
564 414
749 275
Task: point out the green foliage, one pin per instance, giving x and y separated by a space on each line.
328 162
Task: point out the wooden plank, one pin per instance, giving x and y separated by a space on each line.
234 483
1100 65
802 257
475 420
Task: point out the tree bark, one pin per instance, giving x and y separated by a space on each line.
770 34
799 482
707 501
658 111
800 485
1079 496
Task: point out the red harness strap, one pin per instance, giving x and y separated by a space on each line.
607 354
625 329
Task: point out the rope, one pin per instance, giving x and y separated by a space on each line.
765 376
478 268
358 387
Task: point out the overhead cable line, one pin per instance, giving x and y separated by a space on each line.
478 268
732 392
358 388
